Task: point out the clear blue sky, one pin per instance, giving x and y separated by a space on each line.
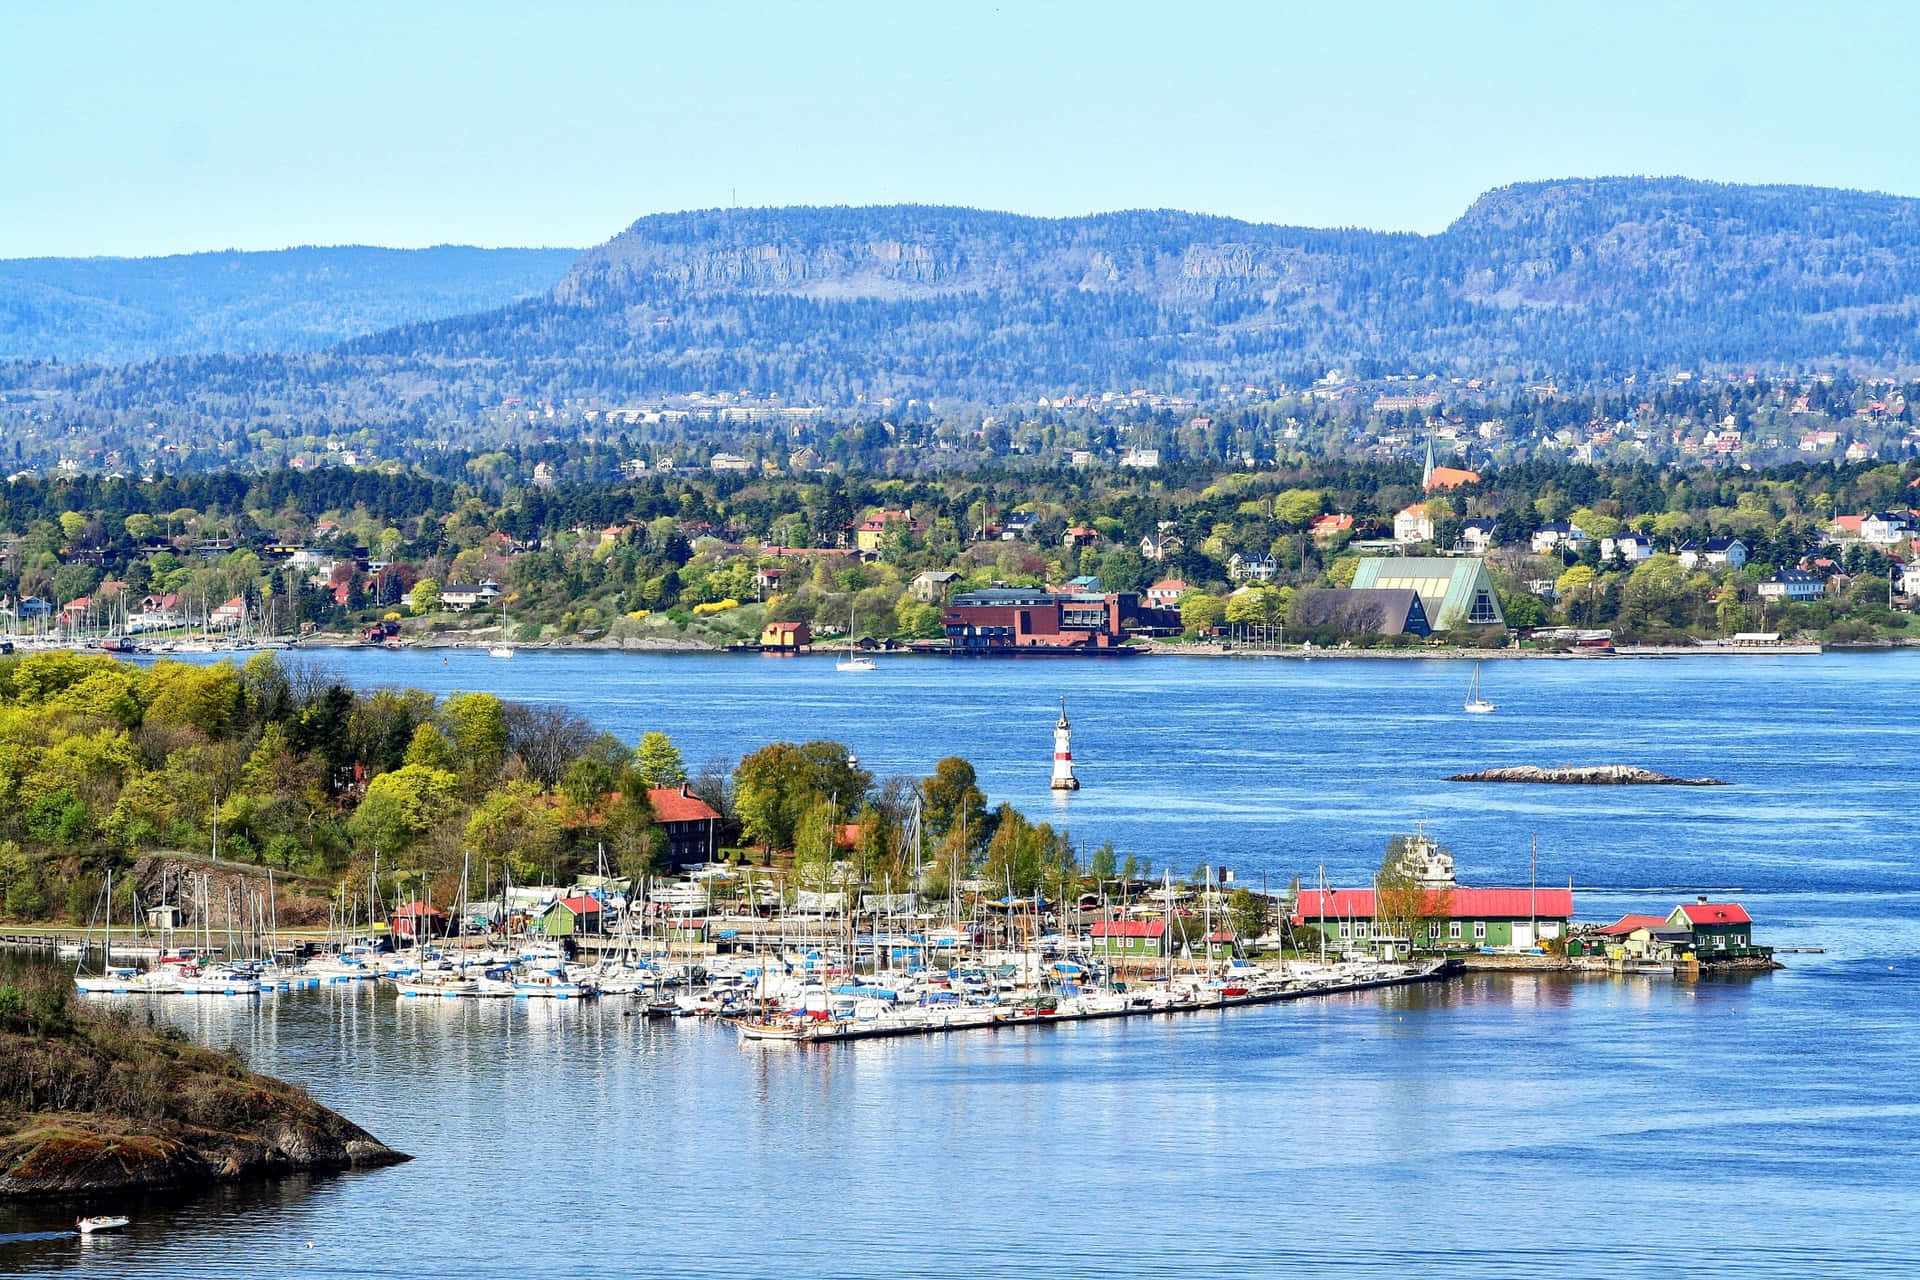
156 128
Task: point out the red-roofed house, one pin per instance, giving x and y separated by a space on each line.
1719 928
570 916
1515 918
1644 937
1130 937
1081 535
691 824
416 920
874 528
1166 593
1330 526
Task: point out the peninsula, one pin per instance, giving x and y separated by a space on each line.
1592 775
99 1102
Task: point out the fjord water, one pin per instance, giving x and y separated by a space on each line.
1495 1126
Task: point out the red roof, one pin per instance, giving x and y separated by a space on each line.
1468 904
1451 478
672 804
1715 913
581 906
1628 923
1129 928
415 909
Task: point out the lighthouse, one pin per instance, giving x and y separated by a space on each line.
1063 779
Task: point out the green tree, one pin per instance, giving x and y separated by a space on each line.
425 596
1200 612
476 724
1250 912
514 825
658 761
401 807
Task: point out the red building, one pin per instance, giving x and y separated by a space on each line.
1008 621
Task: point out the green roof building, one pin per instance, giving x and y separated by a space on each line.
1454 591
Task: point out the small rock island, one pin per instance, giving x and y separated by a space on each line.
1590 775
94 1101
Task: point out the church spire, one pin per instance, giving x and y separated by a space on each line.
1426 477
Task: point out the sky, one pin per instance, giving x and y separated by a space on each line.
141 129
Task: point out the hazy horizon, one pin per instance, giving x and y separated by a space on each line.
205 127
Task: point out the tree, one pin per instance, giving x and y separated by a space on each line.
1250 912
658 761
401 807
953 799
476 724
514 825
775 786
1295 507
425 596
1523 609
1200 612
1405 907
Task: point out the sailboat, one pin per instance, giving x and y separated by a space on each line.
1476 704
854 661
503 649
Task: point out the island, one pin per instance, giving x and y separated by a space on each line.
1590 775
101 1101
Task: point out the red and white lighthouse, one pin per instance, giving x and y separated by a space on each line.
1063 779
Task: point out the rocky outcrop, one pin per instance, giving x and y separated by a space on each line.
1592 775
95 1101
73 1153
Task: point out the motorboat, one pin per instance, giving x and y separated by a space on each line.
102 1222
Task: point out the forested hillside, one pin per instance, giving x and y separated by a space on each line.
1569 281
113 310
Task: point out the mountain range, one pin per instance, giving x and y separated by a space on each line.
1570 279
115 310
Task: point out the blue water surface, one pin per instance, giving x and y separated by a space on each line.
1496 1126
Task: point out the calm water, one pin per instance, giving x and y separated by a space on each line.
1495 1127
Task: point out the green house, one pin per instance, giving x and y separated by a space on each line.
1130 938
569 917
1720 929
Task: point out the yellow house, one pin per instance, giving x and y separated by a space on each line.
868 536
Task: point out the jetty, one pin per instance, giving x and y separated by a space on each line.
1590 775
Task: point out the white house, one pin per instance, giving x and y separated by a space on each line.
1477 536
1156 547
1166 593
1718 553
467 596
1631 547
1792 584
1884 528
1257 567
1142 458
1558 535
1412 524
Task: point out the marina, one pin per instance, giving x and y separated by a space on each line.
1287 1130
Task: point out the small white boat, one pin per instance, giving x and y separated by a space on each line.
104 1222
1476 704
500 651
858 662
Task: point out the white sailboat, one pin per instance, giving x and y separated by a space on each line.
1476 704
855 660
504 649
